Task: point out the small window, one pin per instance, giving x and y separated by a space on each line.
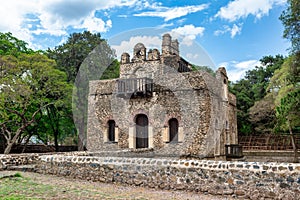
227 125
111 130
173 130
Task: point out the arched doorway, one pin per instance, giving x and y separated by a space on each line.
141 131
173 130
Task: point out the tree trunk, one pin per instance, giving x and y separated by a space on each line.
13 140
26 123
26 143
8 147
56 140
293 143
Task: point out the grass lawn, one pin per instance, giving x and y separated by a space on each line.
28 185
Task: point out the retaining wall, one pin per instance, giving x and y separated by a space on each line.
11 160
250 180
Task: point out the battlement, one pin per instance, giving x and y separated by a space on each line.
168 56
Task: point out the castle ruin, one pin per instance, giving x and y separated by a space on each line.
161 105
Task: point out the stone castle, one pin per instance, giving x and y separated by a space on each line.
162 106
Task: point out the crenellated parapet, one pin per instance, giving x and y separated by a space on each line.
169 56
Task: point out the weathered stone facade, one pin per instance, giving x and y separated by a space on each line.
160 105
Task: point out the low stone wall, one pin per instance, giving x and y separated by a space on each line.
251 180
12 160
17 160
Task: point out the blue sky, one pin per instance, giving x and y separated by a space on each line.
234 34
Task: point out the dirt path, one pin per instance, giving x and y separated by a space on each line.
65 188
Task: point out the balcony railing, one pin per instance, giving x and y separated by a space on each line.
234 151
134 87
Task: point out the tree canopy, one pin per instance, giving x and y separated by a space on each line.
291 22
253 88
10 45
72 53
29 84
84 57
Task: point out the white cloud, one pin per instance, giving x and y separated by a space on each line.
54 16
61 14
12 15
165 25
127 45
234 30
188 33
94 24
172 13
242 8
236 70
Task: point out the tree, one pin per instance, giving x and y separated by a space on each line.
287 100
29 85
291 22
10 45
288 112
251 89
70 55
98 65
243 94
262 115
84 57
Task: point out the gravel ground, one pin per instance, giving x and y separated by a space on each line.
65 188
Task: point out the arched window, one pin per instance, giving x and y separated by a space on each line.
173 130
111 130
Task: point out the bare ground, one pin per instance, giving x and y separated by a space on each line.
66 188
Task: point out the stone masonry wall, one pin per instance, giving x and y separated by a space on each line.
246 180
189 101
9 160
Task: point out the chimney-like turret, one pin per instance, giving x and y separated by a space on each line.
166 44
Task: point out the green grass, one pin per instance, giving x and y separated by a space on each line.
17 187
35 186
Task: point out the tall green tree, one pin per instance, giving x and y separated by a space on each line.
29 85
99 64
70 55
291 22
288 112
84 57
251 89
287 102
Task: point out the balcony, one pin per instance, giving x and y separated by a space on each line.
134 87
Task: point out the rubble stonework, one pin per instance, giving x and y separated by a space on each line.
199 103
245 180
